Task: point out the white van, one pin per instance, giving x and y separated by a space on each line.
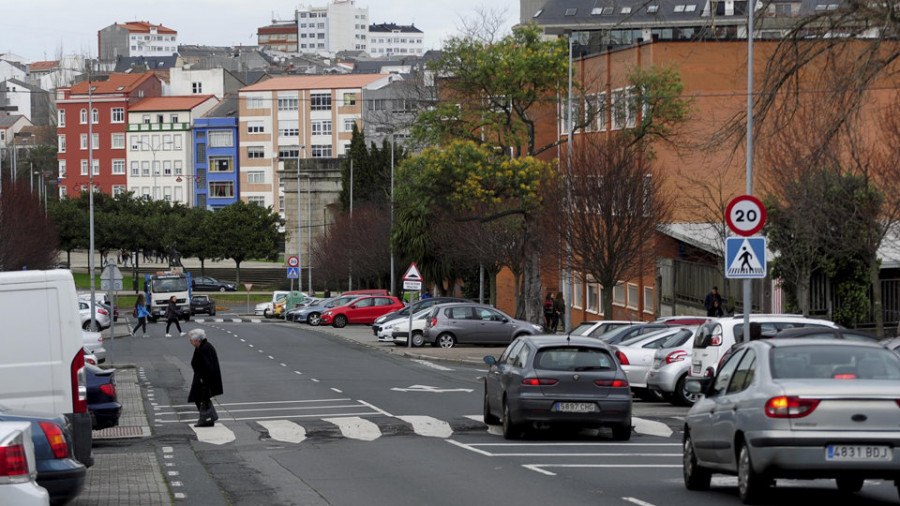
42 363
715 337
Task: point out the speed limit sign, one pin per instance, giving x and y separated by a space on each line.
293 261
745 215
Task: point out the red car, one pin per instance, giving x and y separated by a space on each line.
362 310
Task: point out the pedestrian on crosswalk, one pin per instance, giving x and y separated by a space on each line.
207 381
141 313
172 316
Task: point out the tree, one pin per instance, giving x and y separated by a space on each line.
195 231
29 235
244 231
71 220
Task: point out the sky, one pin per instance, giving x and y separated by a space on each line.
37 29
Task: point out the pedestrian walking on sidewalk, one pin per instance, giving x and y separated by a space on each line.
559 310
172 317
207 382
141 313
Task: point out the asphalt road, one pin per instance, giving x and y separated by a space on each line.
311 418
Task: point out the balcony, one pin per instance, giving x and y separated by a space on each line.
158 127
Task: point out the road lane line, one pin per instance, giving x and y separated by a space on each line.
432 365
336 390
299 401
428 426
354 427
637 501
285 431
383 412
468 447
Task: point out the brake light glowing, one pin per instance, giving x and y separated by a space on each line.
844 376
79 383
56 438
13 459
612 383
676 356
622 358
538 382
109 389
790 407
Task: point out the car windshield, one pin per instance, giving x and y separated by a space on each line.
573 358
834 362
613 335
173 284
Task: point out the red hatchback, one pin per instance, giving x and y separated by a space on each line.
362 310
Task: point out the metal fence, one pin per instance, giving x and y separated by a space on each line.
685 284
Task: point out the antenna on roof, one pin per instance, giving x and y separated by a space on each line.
568 338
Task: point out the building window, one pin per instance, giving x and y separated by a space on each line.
289 152
200 154
256 152
321 151
145 169
95 166
173 118
649 300
289 128
178 168
117 115
288 103
95 141
256 177
95 116
576 294
633 296
197 88
82 118
260 201
61 117
220 164
221 139
62 144
255 127
62 169
321 127
619 295
167 142
592 297
117 141
349 99
135 169
221 189
167 167
145 119
118 167
348 124
118 189
320 101
601 112
255 102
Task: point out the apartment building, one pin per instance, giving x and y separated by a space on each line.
292 118
136 38
216 166
389 39
338 26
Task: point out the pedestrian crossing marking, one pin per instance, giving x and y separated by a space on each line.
354 427
284 431
428 426
217 434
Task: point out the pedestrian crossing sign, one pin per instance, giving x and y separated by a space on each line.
293 273
745 257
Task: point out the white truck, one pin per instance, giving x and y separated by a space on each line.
161 286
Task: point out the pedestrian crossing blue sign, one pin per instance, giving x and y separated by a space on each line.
293 273
745 257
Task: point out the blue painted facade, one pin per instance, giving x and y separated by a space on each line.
216 162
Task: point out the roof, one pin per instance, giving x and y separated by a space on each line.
315 82
144 27
43 65
127 63
117 83
392 27
176 103
227 108
10 120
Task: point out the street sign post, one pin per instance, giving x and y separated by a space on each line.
248 286
293 273
412 285
412 280
111 280
745 215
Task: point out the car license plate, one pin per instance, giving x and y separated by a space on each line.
858 453
575 407
695 368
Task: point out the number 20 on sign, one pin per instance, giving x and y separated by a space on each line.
745 215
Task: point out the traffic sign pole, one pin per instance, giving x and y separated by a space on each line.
746 216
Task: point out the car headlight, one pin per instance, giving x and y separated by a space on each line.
326 313
537 327
379 319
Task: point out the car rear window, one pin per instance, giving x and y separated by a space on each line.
834 362
573 358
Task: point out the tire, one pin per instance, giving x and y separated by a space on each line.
266 313
695 477
681 397
511 430
418 340
849 484
314 319
87 326
221 288
212 312
445 340
752 486
489 418
340 321
622 432
645 394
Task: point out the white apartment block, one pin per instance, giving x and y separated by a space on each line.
339 26
136 38
389 39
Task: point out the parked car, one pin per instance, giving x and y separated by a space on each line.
717 336
616 336
101 315
291 314
596 328
103 301
17 467
473 323
203 304
89 358
415 307
265 308
57 469
892 344
398 328
211 284
361 310
682 320
312 314
93 343
795 408
547 380
102 399
637 353
376 291
824 333
670 370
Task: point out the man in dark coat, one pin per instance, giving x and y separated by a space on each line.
207 382
713 309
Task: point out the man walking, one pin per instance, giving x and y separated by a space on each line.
713 302
207 382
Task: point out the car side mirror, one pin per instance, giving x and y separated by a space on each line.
490 360
698 385
352 306
504 319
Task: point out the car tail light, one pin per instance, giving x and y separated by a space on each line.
622 358
102 311
433 322
109 389
848 376
539 382
13 459
715 340
56 438
708 373
676 356
90 361
790 407
79 383
612 383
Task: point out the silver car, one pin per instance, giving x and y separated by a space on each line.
637 354
669 372
101 315
796 408
547 380
466 322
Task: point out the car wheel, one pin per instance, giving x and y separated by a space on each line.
622 432
221 288
87 326
849 484
751 485
418 340
681 396
511 430
314 319
488 417
695 477
212 312
445 340
645 394
266 313
340 321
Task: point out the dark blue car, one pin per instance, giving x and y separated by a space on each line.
102 399
57 469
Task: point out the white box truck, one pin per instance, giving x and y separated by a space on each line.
42 362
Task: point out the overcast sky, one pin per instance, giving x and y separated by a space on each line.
36 29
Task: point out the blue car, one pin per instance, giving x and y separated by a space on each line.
57 469
102 399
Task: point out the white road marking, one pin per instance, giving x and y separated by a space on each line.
637 501
336 390
541 468
430 389
250 345
238 320
432 365
428 426
271 357
283 430
217 434
268 402
651 428
383 412
354 427
477 418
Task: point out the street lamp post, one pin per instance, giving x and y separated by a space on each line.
299 231
391 131
308 230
